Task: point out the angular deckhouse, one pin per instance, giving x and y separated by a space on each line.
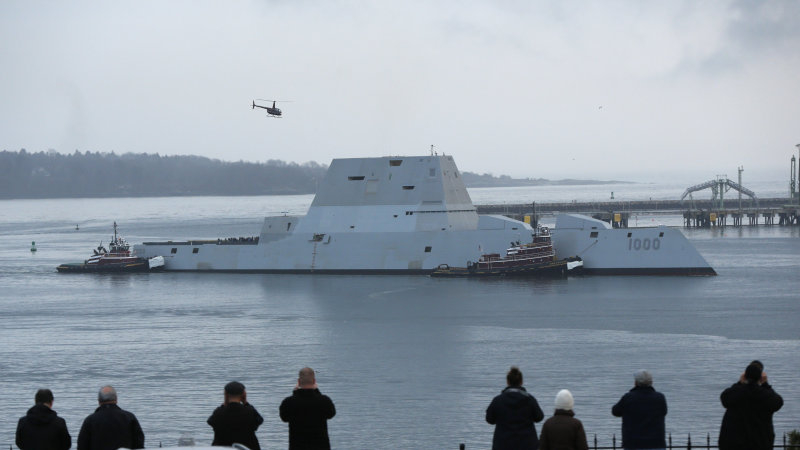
370 215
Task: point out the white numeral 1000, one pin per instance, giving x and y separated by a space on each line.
644 244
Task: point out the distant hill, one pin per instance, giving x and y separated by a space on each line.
55 175
488 180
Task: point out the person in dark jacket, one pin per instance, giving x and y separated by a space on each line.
749 406
643 410
307 411
235 421
513 413
41 428
110 427
563 431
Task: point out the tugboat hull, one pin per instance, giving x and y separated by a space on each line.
554 269
144 265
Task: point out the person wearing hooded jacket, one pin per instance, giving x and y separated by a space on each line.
563 431
749 406
514 413
41 428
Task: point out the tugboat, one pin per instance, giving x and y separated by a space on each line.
521 260
117 258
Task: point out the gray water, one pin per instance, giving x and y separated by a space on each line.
410 361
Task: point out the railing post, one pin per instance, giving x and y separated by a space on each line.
595 441
689 442
614 441
708 440
462 447
670 441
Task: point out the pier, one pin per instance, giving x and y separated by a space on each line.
701 213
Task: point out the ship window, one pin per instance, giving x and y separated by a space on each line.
661 234
395 215
174 250
593 234
356 178
456 172
288 225
195 250
432 172
395 162
513 228
630 234
428 249
408 188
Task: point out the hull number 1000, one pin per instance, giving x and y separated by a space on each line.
644 244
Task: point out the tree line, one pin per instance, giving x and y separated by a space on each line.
55 175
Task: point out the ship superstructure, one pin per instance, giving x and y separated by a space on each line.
405 214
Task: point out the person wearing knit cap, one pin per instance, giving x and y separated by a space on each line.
643 410
563 431
235 420
513 413
749 406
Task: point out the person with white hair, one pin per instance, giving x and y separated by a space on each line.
563 431
110 427
643 410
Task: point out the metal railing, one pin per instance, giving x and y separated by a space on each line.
688 445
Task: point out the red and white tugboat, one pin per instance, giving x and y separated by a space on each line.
117 258
536 258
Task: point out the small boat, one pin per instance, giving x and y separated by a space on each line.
536 258
118 258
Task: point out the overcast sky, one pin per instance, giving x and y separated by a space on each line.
553 89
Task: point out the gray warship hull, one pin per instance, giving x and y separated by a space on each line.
406 215
626 251
370 215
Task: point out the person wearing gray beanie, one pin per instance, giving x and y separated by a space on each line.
563 430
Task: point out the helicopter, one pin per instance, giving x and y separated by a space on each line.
271 111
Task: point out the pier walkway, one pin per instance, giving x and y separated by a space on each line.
696 213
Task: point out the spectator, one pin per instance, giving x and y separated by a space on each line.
749 406
110 427
643 410
307 411
563 431
41 428
513 413
235 421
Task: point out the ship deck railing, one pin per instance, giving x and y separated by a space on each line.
252 240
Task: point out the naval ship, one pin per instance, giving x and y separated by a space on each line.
413 214
370 215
